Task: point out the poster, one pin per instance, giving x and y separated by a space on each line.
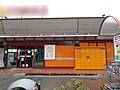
117 47
49 52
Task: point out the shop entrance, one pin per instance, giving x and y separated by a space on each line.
30 56
25 56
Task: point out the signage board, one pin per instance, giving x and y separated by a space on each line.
49 52
117 47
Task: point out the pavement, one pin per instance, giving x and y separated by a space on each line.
52 77
51 71
7 79
48 83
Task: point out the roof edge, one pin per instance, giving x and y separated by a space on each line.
117 20
7 36
49 18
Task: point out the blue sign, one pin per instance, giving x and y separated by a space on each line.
110 69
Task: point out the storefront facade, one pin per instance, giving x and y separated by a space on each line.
32 55
90 47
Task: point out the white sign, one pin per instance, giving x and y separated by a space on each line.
49 52
117 47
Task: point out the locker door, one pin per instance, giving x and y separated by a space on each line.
78 57
87 59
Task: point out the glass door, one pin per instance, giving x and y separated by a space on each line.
25 56
29 56
21 62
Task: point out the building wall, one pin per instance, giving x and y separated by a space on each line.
109 52
64 57
65 54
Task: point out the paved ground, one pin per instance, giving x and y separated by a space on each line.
48 83
8 76
51 71
7 79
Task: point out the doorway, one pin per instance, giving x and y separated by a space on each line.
30 56
25 56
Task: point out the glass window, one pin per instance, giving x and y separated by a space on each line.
49 43
12 54
66 42
38 56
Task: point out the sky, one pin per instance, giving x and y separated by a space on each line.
73 8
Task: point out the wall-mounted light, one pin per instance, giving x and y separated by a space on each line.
77 43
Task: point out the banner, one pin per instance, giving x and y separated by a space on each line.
49 52
117 47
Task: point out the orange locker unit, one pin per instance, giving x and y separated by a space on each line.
90 57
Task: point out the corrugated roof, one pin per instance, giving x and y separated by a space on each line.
50 26
59 27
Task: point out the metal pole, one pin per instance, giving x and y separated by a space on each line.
110 78
118 71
